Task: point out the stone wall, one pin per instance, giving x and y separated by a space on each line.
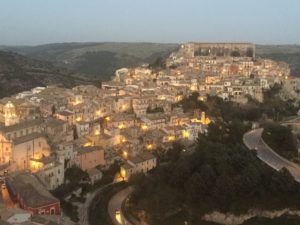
232 219
220 49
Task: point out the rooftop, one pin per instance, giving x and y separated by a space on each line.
65 113
142 157
45 160
88 149
31 191
51 122
22 125
30 137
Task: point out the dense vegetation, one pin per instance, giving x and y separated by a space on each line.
190 103
280 139
97 60
90 63
98 213
155 110
287 53
221 174
273 107
293 59
76 178
19 73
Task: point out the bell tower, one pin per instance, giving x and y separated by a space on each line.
10 116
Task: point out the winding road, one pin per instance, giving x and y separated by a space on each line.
115 207
83 209
254 141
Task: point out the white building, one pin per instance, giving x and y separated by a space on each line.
50 172
141 163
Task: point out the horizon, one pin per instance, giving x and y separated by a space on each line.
143 42
33 23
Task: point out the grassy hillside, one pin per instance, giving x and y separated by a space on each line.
19 73
97 60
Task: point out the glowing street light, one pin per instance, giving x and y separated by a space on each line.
185 134
121 126
123 140
144 127
124 107
171 138
149 146
99 112
123 173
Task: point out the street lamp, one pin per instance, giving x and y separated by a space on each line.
123 173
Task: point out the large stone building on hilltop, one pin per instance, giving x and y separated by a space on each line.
219 49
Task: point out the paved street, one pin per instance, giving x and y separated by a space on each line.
83 209
253 140
6 198
115 206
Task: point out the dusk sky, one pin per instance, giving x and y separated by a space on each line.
32 22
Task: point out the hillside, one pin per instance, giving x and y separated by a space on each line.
97 60
100 60
19 73
287 53
57 63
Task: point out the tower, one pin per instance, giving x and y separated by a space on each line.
10 116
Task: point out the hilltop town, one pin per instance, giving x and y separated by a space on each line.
47 130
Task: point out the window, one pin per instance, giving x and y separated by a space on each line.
40 144
52 211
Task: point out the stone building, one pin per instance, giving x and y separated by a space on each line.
219 49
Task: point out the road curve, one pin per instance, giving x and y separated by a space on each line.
83 209
115 204
254 141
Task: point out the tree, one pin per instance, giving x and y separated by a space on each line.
75 134
191 103
53 109
281 139
98 83
158 63
76 175
155 110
